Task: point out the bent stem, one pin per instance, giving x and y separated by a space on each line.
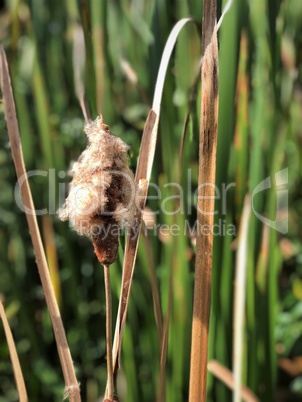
110 382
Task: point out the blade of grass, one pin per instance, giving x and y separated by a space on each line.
239 298
52 257
14 357
42 110
164 345
205 214
191 103
241 127
154 286
259 373
227 8
78 62
72 386
90 81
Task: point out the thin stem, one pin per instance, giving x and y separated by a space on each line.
72 389
239 298
110 382
14 357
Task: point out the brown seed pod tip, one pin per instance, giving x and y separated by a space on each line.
103 125
106 248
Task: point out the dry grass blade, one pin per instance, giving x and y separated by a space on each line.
205 205
14 357
226 377
78 62
72 386
128 268
239 299
143 172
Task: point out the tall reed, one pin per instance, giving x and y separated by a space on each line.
72 389
205 204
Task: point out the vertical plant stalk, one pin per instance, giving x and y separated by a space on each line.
72 389
239 299
14 357
205 204
110 382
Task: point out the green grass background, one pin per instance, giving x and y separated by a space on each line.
260 120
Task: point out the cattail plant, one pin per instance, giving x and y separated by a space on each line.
100 203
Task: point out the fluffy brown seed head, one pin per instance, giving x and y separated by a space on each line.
102 191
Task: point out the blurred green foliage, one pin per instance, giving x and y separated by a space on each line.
260 120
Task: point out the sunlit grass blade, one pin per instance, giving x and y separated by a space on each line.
239 299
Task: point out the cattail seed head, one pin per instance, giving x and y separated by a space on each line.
102 192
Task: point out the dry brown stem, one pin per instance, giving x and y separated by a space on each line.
205 214
72 387
110 382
